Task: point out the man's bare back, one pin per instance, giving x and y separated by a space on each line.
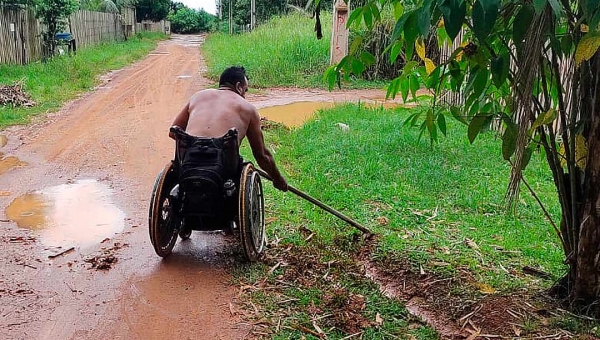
211 113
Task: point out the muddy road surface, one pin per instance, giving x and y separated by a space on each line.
76 260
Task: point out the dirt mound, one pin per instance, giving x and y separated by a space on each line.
15 96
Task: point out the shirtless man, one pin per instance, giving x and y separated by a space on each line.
211 113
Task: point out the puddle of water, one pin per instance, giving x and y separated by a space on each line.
294 114
9 162
80 214
3 140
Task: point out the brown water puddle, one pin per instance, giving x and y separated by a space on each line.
79 214
9 162
296 114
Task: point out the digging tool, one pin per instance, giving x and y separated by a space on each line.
321 205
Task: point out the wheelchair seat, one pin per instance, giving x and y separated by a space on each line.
208 171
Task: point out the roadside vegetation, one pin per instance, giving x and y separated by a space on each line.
445 234
63 78
282 52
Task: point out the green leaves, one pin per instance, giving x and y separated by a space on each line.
453 12
509 140
544 118
521 23
478 124
485 13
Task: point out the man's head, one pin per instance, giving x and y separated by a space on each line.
234 77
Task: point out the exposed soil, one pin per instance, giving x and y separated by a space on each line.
117 135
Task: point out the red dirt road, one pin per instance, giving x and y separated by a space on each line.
117 137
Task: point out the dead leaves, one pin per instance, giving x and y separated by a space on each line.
14 95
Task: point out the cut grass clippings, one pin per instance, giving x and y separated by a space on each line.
63 78
440 213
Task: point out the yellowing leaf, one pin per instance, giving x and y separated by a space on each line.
420 48
441 23
485 288
587 47
585 28
429 65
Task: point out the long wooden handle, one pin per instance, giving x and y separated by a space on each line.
320 205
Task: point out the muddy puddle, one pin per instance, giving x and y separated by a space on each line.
296 114
80 214
9 162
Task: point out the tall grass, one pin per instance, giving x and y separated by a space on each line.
61 79
282 52
440 207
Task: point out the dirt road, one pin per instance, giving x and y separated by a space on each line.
81 179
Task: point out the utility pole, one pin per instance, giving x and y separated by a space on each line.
230 19
252 14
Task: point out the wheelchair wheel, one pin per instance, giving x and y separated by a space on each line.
251 213
162 220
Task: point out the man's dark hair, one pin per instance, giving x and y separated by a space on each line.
232 75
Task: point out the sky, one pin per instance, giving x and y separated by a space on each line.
208 5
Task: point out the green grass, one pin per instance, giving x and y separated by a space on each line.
434 199
282 52
63 78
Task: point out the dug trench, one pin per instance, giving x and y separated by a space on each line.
74 190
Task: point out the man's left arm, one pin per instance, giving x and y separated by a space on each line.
182 119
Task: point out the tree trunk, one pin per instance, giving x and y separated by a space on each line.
586 287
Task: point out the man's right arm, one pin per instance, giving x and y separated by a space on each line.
262 155
182 119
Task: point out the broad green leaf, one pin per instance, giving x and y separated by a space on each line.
368 16
478 124
404 87
454 12
566 44
430 123
395 51
544 118
356 43
587 47
539 5
458 115
526 156
398 10
399 28
411 31
355 16
367 58
434 79
392 89
330 76
425 18
414 85
521 23
485 13
409 121
375 11
480 82
441 122
357 66
500 69
509 140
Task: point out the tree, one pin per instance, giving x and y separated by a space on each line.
186 20
54 15
533 67
154 10
109 6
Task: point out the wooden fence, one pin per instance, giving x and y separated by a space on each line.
19 36
20 31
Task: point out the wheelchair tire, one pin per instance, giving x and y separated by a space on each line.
251 214
163 223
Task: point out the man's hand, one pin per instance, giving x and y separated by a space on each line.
280 184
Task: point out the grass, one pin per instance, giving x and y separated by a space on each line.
63 78
282 52
440 208
442 204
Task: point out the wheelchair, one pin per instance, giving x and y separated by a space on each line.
207 187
